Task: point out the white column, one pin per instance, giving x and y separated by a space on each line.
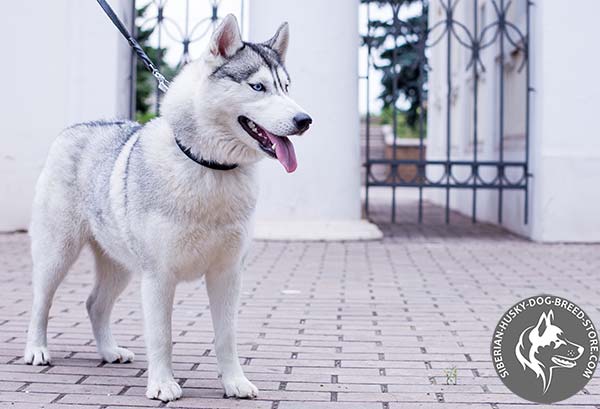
63 62
565 131
324 193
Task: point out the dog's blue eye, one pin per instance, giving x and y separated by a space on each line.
258 87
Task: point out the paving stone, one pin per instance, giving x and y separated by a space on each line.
349 325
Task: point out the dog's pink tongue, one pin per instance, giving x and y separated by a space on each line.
285 152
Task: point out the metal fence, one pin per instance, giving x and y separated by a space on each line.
471 36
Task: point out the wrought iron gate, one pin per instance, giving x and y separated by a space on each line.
173 28
465 38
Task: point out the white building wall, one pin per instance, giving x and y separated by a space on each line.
322 61
63 62
564 143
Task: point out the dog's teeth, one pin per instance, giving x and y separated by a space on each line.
273 147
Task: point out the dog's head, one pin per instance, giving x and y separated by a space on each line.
544 347
237 97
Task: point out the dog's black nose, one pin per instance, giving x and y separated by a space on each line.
302 121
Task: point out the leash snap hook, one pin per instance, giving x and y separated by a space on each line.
163 84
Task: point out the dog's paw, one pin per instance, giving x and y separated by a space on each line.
117 355
239 387
165 390
37 356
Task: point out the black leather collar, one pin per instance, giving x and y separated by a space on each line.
206 163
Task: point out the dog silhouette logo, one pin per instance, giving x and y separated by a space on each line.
545 349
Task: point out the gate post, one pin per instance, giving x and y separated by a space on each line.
322 60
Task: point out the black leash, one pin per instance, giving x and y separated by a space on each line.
163 84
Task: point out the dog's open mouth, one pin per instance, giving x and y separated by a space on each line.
278 147
565 363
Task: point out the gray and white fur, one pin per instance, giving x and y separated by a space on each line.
144 207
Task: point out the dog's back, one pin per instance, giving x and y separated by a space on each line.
81 155
75 178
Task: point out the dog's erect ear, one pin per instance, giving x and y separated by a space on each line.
226 40
543 323
280 40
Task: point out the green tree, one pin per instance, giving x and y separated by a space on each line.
399 45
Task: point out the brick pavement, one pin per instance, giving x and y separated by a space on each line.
323 325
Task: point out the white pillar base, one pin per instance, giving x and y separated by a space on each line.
310 230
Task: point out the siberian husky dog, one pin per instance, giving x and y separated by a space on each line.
172 201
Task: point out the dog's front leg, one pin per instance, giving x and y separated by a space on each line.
224 292
157 300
